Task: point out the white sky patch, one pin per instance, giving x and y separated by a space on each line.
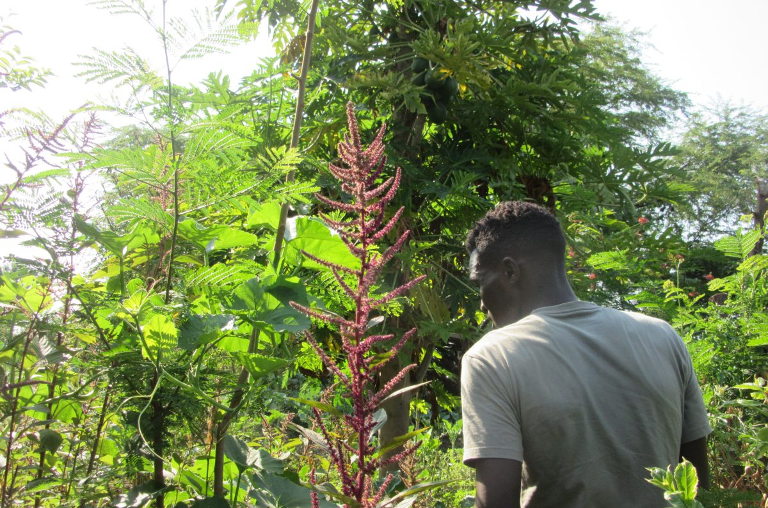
712 50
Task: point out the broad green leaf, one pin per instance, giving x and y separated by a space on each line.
248 295
236 450
50 440
68 411
286 319
160 334
288 289
138 496
227 238
762 340
261 459
274 491
202 329
686 480
260 365
108 450
215 238
309 235
264 214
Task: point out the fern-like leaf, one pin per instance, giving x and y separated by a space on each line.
218 275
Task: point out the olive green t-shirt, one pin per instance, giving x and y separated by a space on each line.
586 398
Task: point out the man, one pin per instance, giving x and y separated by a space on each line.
565 403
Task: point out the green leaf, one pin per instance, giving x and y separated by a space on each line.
160 335
613 260
248 295
50 440
738 246
107 239
138 496
309 235
142 209
264 214
399 440
286 319
274 491
215 238
261 459
322 406
41 484
202 329
686 480
236 450
758 341
210 502
421 487
260 365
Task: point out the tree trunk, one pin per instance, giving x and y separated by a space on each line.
759 213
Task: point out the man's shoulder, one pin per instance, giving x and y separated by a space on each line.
508 338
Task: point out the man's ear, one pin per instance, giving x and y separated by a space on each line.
511 269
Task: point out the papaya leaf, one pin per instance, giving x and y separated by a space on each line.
202 329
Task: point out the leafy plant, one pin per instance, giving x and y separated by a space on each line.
680 485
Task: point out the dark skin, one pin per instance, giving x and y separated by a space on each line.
511 287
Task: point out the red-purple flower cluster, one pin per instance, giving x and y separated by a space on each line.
365 228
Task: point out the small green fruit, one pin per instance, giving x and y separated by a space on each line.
419 64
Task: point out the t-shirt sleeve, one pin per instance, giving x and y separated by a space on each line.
695 421
491 423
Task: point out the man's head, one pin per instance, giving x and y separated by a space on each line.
517 258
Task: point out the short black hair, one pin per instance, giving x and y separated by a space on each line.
520 226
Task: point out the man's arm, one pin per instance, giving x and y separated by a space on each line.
696 453
497 483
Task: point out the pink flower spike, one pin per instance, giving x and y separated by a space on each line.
366 203
390 386
391 224
354 130
346 207
378 190
397 292
322 316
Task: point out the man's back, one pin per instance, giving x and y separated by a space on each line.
586 398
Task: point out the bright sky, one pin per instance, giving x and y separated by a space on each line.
713 50
699 46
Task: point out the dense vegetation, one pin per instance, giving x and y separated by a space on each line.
191 322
